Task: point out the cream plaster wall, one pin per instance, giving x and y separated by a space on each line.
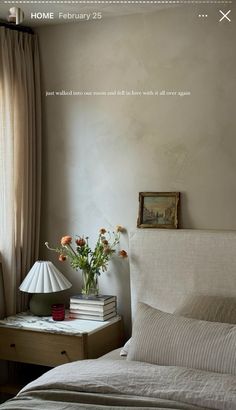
99 152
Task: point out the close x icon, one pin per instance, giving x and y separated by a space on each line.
225 15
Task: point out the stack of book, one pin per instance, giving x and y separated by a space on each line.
101 308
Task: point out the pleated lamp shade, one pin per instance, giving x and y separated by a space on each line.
46 283
44 277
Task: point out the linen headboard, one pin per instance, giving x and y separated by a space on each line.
168 266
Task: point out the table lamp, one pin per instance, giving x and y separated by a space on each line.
44 280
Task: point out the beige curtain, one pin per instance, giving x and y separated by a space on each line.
20 160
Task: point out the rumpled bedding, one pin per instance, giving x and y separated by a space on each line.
121 384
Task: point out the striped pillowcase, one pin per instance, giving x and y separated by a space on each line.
170 340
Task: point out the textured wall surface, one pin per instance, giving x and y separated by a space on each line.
99 152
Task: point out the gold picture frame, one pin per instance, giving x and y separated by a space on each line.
158 210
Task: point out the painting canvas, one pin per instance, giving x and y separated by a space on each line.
158 210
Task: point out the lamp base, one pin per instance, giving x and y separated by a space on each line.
40 303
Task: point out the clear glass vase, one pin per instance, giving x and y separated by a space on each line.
90 283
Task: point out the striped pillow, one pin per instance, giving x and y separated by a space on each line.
211 308
170 340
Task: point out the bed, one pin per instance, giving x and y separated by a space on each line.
182 351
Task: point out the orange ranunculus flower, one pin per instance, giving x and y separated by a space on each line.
107 250
66 240
62 258
102 231
80 242
123 254
119 228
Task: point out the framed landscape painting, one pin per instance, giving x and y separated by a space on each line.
158 210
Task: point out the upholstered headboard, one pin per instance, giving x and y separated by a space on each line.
168 266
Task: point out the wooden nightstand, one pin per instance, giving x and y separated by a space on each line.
32 339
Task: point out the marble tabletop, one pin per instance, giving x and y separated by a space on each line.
69 326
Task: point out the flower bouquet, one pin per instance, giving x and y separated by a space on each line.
91 261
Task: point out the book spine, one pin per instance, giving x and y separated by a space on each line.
96 318
98 308
91 312
92 301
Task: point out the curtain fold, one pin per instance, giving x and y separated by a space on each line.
20 160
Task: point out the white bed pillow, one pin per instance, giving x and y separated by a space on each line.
203 307
125 349
210 308
172 340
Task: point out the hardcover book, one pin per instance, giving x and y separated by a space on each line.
97 308
97 300
92 312
90 317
